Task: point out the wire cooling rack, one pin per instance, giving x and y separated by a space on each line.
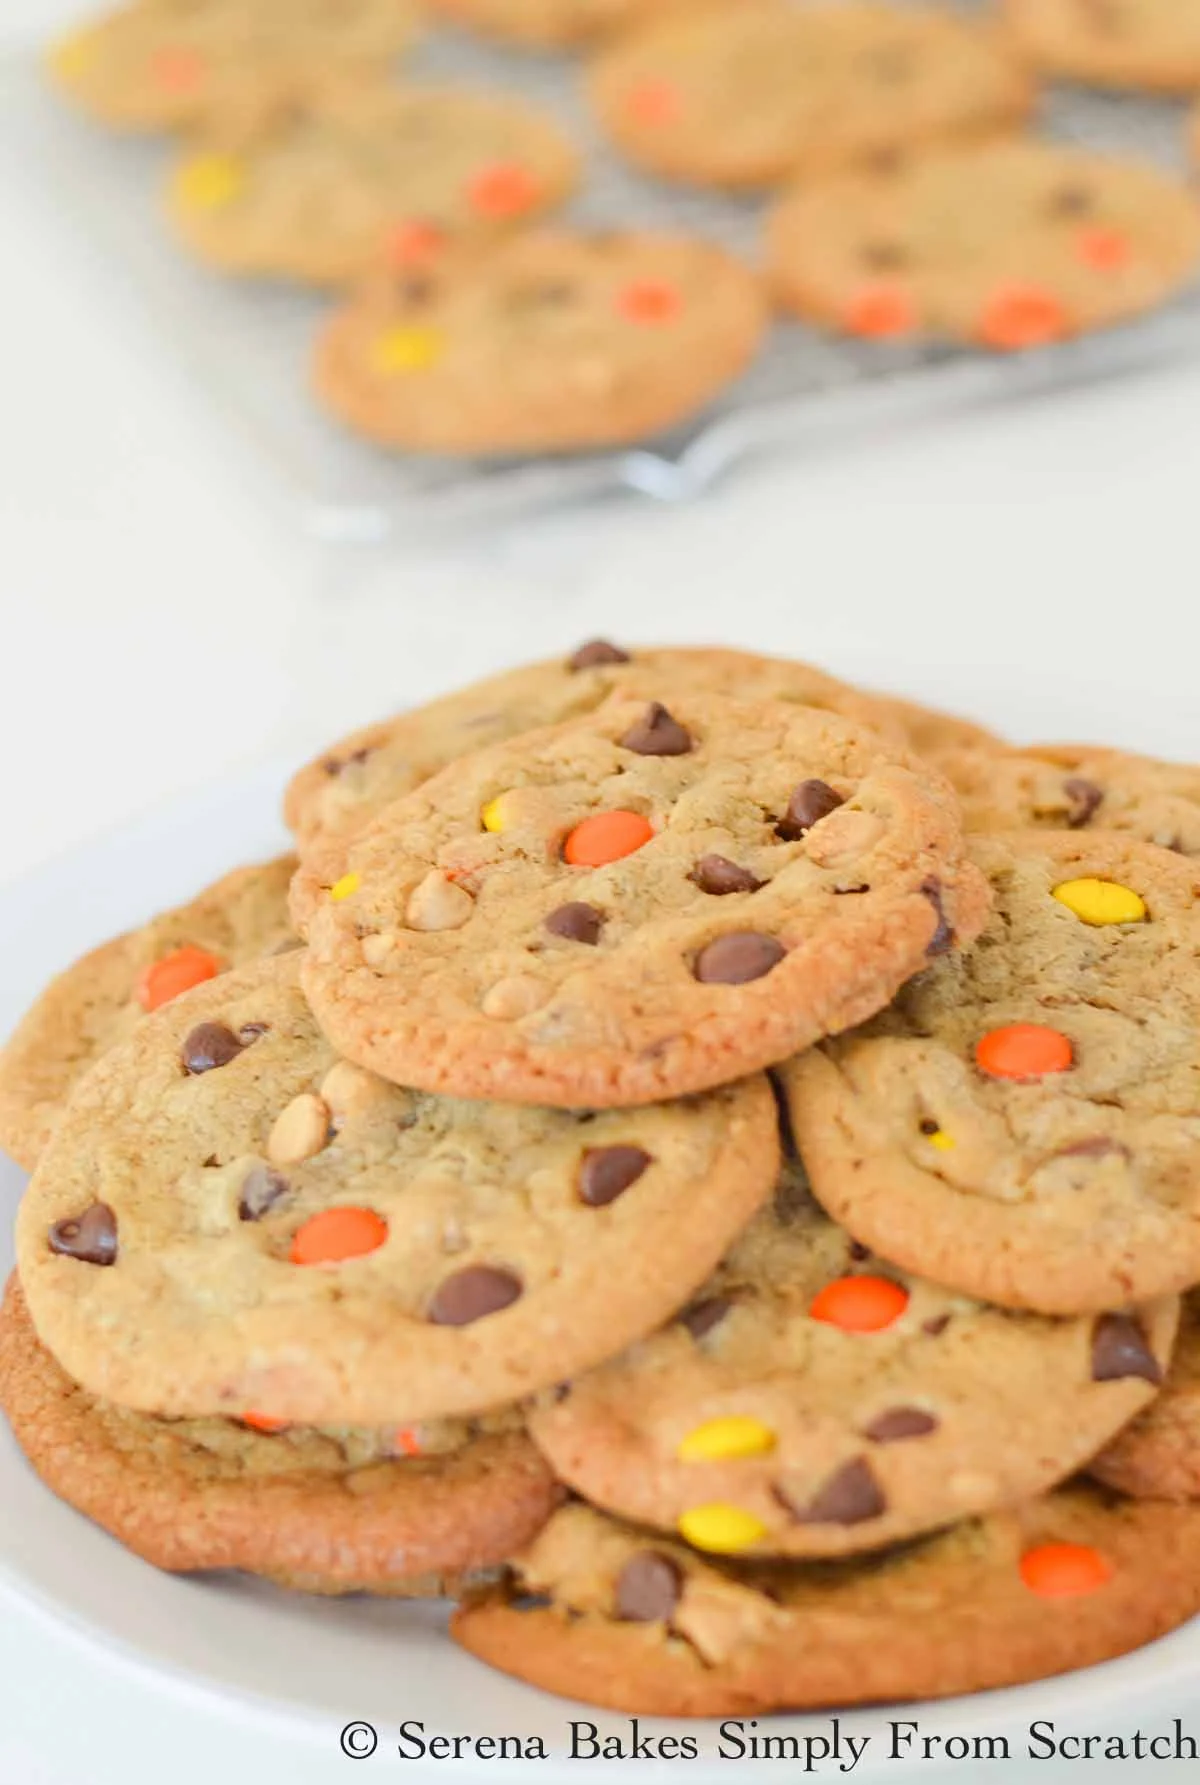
252 343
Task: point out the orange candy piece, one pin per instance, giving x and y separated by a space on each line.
414 243
406 1442
605 838
180 71
505 190
176 972
1024 1051
860 1304
263 1422
880 312
654 102
1108 250
1065 1570
337 1234
1023 316
649 300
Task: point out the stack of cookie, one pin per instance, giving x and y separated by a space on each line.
904 200
698 1188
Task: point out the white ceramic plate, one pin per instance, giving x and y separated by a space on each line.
304 1663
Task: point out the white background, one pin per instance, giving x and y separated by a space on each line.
168 620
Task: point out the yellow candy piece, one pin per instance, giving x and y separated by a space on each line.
72 56
207 182
722 1440
940 1139
405 349
1101 902
492 815
345 887
722 1529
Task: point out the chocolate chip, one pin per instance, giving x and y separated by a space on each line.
811 801
607 1172
530 1602
929 1126
884 257
657 733
716 874
899 1423
91 1237
1086 799
858 1252
262 1188
596 652
937 1326
472 1294
783 1114
208 1046
702 1316
648 1588
1070 201
849 1497
736 959
1119 1350
576 922
942 940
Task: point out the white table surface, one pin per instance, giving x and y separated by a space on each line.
167 620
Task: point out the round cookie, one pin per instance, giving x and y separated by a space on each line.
1152 44
1022 1124
637 904
553 24
359 176
100 999
1158 1456
549 343
812 1401
1077 787
336 1511
601 1612
172 64
231 1217
1008 245
347 785
749 95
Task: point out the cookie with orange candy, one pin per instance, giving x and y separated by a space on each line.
100 999
1010 245
1151 45
362 175
640 903
161 65
601 1611
396 1511
813 1401
1022 1123
231 1217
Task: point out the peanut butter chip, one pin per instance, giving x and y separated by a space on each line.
842 836
300 1130
377 950
512 998
438 904
346 1090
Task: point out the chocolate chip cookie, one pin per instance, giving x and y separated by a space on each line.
98 1001
814 1401
232 1217
1022 1124
392 1510
159 65
360 176
1008 245
748 95
1158 1456
603 1612
1152 44
548 343
637 904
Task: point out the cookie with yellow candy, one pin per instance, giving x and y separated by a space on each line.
815 1401
355 176
546 343
1153 45
161 65
604 1612
1023 1123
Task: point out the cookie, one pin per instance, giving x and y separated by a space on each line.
549 343
388 1510
98 1001
1158 1456
231 1217
357 176
1077 787
334 796
605 1613
1022 1124
160 65
637 904
1152 44
746 96
812 1401
928 730
553 24
1006 246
